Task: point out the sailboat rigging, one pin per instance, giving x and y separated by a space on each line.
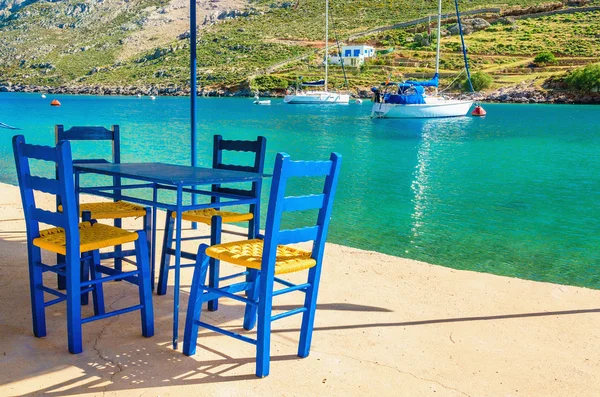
319 97
410 100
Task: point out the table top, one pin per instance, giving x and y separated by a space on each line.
170 174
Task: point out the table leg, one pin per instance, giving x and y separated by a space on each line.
178 227
154 222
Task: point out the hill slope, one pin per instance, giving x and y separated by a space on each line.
142 44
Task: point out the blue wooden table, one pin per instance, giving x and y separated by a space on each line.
168 177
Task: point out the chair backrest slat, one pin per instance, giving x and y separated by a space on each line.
42 184
279 203
39 152
291 236
240 146
48 217
233 167
303 203
83 133
308 168
228 190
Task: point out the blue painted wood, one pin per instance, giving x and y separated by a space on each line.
292 236
77 285
227 333
84 133
299 287
303 203
46 185
260 283
93 133
213 270
48 217
194 309
98 292
178 228
218 191
145 289
117 312
170 174
292 312
39 153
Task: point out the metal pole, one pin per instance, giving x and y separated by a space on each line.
326 41
193 88
439 37
193 83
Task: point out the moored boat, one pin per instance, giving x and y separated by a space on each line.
408 99
301 96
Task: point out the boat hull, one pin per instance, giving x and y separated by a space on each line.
434 109
317 98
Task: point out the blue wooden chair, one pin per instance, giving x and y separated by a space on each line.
116 210
215 217
77 242
268 259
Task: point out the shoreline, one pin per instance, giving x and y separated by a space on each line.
516 94
11 195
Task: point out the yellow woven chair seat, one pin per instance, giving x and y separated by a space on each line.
91 237
111 210
249 254
205 215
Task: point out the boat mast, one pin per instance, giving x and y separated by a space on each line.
326 41
439 36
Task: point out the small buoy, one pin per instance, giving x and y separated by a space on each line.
152 97
43 96
358 101
139 95
478 111
55 102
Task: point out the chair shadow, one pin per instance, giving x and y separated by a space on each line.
176 371
160 366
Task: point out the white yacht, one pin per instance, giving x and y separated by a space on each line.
302 96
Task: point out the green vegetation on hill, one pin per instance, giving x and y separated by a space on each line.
73 43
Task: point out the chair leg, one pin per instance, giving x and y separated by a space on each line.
118 250
147 312
252 294
213 276
308 318
163 276
85 276
194 309
61 281
97 292
73 269
38 309
150 234
263 340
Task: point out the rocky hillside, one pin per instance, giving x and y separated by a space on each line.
115 46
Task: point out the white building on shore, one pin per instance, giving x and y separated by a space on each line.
353 55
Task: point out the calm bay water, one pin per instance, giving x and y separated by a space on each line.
516 193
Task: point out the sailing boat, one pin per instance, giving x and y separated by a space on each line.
324 96
410 99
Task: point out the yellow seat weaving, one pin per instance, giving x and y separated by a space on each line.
112 210
91 237
249 254
205 215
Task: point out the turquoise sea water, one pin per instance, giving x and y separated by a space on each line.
516 193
